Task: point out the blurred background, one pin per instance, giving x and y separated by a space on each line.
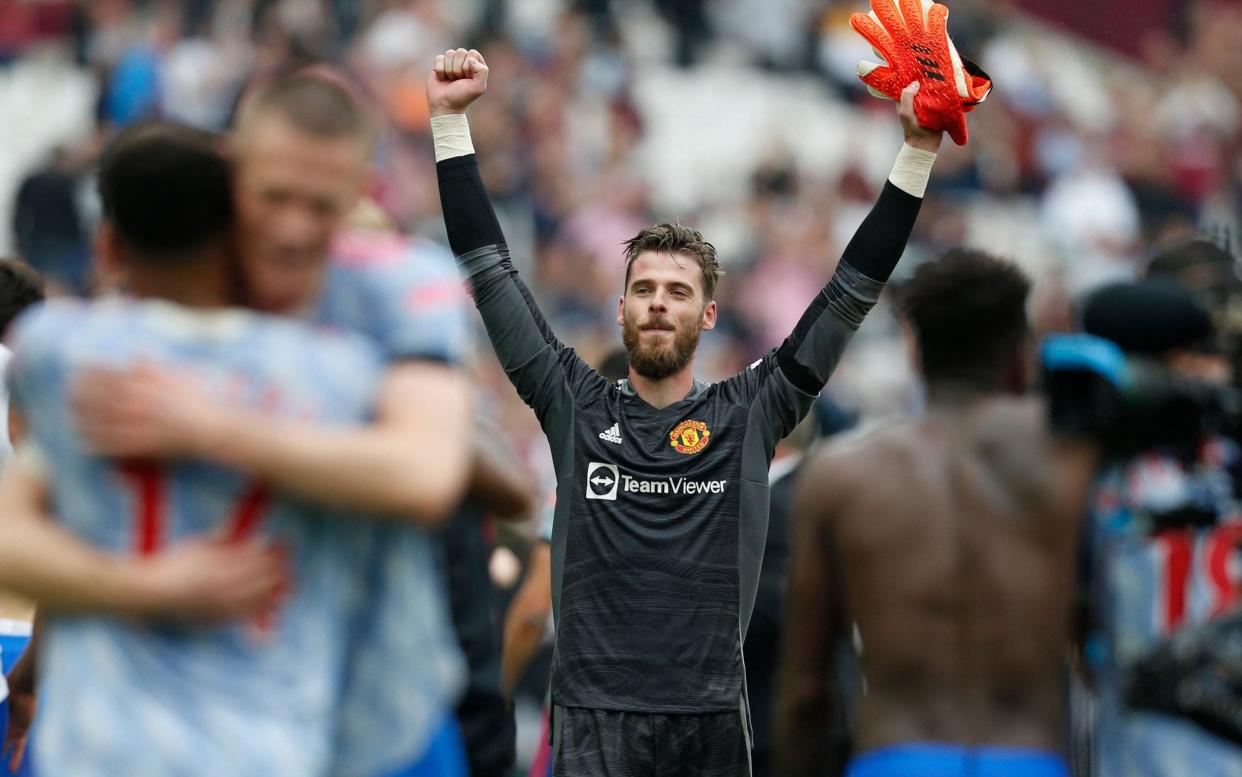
1113 130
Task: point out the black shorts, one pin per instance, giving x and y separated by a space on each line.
603 743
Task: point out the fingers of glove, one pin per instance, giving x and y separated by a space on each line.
957 129
978 83
935 44
960 80
881 80
937 22
927 118
915 14
870 29
867 67
887 14
940 110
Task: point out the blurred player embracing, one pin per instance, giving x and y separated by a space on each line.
119 697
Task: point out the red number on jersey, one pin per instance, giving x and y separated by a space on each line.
149 482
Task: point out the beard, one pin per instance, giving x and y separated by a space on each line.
658 361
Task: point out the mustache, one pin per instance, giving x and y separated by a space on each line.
659 323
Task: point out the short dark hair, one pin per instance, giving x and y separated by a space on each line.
1175 258
1153 317
20 287
318 100
676 238
166 190
968 313
1199 265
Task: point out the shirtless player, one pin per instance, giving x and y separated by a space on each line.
956 567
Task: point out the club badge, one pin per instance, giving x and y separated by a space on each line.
689 437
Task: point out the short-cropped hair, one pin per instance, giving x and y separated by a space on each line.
676 238
166 189
318 100
968 313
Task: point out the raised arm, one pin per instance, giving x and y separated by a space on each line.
536 362
811 353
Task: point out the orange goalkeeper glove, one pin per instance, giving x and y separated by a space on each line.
912 38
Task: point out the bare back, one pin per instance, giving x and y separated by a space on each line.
954 539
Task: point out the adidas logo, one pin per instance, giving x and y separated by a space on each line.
612 434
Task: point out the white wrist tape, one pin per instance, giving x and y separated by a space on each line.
911 170
451 135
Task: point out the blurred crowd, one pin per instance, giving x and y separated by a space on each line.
742 117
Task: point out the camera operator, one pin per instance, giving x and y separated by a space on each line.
964 652
1163 545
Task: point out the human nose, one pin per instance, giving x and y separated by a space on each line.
294 224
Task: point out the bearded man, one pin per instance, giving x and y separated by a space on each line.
662 480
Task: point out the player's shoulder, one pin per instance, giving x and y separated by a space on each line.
1014 441
856 452
741 386
1011 424
38 325
47 339
378 257
326 351
396 272
56 328
165 325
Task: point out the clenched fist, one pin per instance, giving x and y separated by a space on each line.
458 79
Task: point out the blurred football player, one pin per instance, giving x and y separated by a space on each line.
20 287
945 548
301 150
120 697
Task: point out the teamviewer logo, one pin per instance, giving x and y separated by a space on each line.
602 481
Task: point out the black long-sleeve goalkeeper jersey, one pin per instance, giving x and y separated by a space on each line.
661 513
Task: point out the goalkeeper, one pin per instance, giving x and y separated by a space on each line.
662 492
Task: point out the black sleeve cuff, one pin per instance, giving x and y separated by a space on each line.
469 217
878 244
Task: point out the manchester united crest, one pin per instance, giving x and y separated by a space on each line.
689 437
